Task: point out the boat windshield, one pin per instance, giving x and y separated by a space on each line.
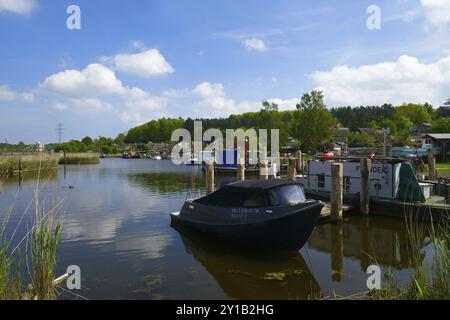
286 195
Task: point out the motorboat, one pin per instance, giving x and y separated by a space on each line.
269 213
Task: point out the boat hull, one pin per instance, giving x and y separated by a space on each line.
287 230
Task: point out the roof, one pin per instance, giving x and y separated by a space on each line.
439 136
260 184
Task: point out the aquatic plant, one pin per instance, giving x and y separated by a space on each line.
41 244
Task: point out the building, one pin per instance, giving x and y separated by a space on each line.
441 142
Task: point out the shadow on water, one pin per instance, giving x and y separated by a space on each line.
245 273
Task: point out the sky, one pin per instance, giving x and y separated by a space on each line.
119 64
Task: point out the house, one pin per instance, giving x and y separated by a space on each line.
341 134
441 141
421 128
443 111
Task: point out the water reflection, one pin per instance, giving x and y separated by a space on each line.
381 241
245 274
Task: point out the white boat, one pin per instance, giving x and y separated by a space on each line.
156 158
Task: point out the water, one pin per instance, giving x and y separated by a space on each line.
117 229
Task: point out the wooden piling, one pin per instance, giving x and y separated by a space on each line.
337 252
337 191
210 178
300 163
431 165
292 169
241 171
365 166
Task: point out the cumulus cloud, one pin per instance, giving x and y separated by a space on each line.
437 11
254 44
148 63
214 102
23 7
96 88
404 80
8 95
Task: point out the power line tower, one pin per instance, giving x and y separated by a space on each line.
60 131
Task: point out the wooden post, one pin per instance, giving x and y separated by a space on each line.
337 191
209 178
65 157
365 166
241 170
431 165
300 163
337 252
20 165
292 169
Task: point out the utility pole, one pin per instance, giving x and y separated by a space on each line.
59 131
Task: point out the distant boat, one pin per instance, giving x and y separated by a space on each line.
156 158
269 213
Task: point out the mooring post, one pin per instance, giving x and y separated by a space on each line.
337 191
241 170
431 165
365 166
337 251
300 163
210 178
292 169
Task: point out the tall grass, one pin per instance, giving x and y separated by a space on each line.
40 244
427 282
27 163
80 158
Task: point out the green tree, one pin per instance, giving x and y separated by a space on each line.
270 106
416 113
87 141
441 125
314 123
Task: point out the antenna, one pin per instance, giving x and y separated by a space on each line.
60 131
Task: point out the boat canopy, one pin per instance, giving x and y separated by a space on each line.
256 193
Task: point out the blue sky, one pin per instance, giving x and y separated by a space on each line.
133 61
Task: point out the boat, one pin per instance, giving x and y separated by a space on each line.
268 213
156 158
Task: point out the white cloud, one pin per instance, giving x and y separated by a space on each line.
23 7
214 102
8 95
145 64
285 104
96 88
93 80
437 11
404 80
254 44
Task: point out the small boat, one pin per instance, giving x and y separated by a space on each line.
156 158
269 213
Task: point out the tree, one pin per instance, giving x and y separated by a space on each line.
447 103
416 113
441 125
87 141
270 106
314 123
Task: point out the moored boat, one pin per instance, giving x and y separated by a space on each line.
269 213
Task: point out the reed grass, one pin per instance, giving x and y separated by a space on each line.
80 158
427 282
41 244
23 163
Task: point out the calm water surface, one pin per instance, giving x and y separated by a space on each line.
117 229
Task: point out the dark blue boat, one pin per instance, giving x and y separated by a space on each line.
268 213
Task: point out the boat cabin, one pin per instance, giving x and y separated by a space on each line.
390 178
256 193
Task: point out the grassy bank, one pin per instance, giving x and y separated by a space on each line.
11 164
80 158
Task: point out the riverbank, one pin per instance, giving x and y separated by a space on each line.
80 158
14 164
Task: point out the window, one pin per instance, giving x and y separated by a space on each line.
321 181
285 195
258 200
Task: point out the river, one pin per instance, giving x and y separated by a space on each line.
117 230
